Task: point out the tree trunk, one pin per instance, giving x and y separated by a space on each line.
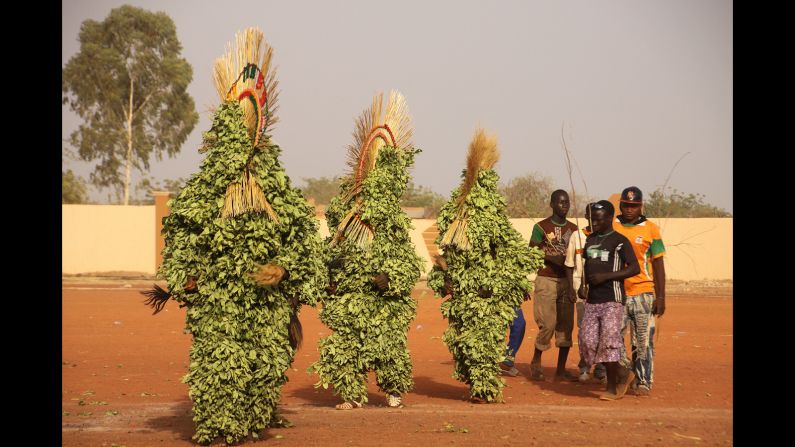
128 165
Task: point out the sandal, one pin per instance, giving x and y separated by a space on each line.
348 405
567 376
609 396
621 388
477 400
508 370
536 372
393 400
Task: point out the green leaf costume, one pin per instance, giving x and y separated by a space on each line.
370 239
484 269
234 215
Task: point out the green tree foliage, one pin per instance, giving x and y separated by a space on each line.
73 188
174 186
488 280
661 204
321 189
240 348
370 325
527 196
423 197
128 84
144 188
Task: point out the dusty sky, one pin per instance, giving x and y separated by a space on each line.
638 84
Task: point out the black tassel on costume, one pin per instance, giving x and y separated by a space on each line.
295 330
157 298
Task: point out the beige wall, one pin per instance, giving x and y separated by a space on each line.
698 248
101 238
104 238
695 249
420 225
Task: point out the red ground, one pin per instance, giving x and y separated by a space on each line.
124 365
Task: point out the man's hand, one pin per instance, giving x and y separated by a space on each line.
381 281
556 259
331 289
572 295
597 278
269 274
582 292
439 260
448 287
190 285
658 308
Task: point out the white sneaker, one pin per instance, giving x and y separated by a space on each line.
584 377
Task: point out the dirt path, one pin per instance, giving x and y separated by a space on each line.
124 365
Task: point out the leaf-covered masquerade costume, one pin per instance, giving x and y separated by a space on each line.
484 269
373 263
243 252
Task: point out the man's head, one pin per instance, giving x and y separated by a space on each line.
559 202
631 204
602 213
588 210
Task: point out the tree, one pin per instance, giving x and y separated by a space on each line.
143 190
128 84
528 195
73 188
321 189
678 204
424 197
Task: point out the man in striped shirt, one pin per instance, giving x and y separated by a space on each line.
646 290
608 261
553 309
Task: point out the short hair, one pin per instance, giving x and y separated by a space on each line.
556 193
604 205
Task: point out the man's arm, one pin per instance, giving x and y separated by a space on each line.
537 240
570 264
570 278
631 268
583 282
658 266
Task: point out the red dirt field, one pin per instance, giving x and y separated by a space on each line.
122 368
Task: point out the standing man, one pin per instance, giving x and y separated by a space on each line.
553 308
574 268
646 290
608 262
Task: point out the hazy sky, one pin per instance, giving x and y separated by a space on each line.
638 84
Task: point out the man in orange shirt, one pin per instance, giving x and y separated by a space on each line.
646 290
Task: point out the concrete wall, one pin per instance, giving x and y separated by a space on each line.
695 249
698 248
420 225
101 238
